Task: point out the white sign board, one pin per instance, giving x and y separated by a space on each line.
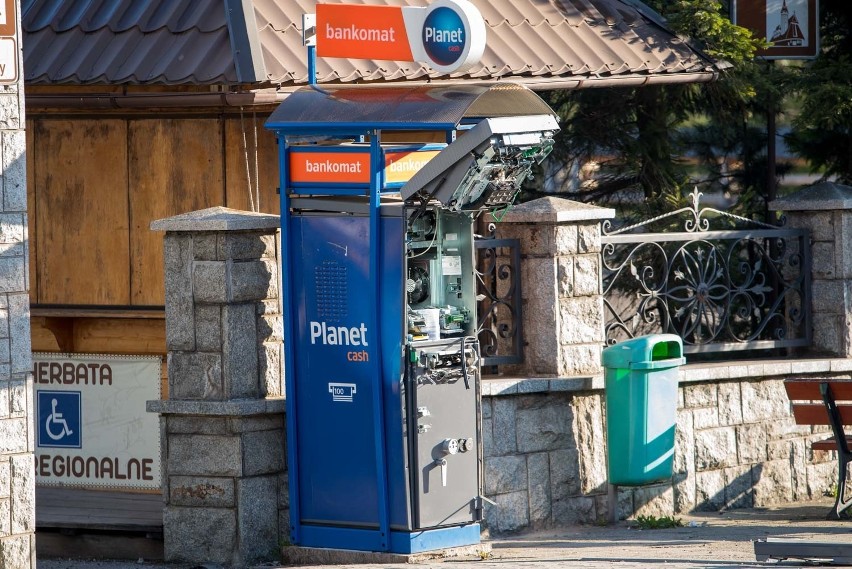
92 427
8 42
8 60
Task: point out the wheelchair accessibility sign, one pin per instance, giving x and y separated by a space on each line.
59 419
92 428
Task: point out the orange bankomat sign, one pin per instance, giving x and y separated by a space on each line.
400 166
330 167
448 35
351 166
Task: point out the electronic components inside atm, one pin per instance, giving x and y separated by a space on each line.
421 230
417 284
484 168
495 172
453 320
417 325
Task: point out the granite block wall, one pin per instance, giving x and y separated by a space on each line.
825 210
17 467
563 328
736 446
222 428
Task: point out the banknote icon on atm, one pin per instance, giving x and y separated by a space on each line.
342 391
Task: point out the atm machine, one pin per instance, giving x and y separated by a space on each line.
380 189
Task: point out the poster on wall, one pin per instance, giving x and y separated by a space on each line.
92 428
791 26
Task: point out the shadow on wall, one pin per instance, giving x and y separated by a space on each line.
533 468
731 490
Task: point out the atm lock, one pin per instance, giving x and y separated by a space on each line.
449 447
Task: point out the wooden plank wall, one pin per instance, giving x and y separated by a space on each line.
95 185
81 218
175 166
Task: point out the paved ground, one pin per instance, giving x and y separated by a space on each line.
709 540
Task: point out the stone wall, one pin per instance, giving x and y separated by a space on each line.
224 484
825 210
736 442
17 472
561 286
224 471
736 446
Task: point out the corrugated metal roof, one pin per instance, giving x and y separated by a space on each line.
536 40
188 42
126 42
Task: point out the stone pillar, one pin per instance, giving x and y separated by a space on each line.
17 463
224 473
563 314
825 209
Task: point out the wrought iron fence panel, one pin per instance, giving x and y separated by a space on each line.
498 291
744 286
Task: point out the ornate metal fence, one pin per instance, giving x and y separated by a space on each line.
744 285
499 295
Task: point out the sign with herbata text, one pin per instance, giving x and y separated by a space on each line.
92 430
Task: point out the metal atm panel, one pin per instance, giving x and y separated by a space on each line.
442 371
330 269
484 168
335 380
446 460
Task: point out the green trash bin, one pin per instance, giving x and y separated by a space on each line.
641 379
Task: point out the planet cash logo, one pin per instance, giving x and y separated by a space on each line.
444 36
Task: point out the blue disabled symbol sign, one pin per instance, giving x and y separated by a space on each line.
59 419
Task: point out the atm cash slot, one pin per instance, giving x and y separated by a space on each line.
441 365
439 360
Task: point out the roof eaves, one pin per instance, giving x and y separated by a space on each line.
245 41
654 18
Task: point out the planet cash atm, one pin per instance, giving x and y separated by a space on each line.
380 188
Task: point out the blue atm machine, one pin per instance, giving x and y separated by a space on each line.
380 189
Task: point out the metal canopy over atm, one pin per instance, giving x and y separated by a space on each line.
381 357
400 107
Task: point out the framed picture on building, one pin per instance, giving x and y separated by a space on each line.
791 26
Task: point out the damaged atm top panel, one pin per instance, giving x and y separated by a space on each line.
503 131
314 109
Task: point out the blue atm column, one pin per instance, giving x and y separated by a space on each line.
429 375
335 370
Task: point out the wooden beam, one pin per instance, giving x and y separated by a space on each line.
63 330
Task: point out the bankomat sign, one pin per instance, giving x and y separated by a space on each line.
448 35
324 166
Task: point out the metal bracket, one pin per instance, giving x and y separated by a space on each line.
478 502
309 29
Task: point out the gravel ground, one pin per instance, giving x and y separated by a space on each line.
709 540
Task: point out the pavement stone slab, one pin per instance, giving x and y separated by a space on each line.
718 540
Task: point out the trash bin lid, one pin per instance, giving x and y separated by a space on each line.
655 351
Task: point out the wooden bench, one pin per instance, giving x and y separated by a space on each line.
835 411
79 509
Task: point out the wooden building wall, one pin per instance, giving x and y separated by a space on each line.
95 185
